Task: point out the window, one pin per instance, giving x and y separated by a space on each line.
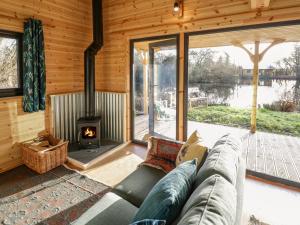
10 64
224 95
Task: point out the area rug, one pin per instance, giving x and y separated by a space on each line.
59 196
254 221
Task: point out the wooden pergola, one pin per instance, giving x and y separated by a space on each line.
256 58
274 36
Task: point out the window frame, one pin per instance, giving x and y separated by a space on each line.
187 36
12 92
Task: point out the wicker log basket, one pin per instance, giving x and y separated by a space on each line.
44 153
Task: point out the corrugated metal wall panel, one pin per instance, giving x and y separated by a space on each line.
68 108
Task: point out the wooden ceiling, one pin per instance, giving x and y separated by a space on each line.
287 33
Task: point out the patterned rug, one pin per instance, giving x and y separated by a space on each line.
57 197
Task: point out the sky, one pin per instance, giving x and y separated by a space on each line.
6 41
241 58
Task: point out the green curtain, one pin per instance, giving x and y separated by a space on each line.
34 76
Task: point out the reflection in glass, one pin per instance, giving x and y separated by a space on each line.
155 89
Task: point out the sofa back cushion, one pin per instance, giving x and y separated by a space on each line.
222 159
168 196
229 141
213 202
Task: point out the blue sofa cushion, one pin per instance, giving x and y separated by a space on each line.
167 197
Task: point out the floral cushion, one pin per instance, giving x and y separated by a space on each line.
162 153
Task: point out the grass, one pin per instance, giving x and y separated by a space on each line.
267 120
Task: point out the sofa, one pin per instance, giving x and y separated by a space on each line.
216 197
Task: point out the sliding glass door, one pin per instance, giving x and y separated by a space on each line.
243 80
154 88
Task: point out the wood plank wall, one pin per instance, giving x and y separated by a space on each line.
67 29
125 20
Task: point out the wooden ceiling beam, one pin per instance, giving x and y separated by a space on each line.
259 4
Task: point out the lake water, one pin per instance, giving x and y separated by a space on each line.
240 95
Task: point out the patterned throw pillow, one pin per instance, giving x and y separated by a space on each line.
193 148
162 153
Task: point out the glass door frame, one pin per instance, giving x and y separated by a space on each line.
132 109
214 31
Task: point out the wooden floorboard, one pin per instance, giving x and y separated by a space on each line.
279 165
251 156
294 150
269 161
260 156
276 155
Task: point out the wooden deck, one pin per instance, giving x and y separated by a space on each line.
273 154
266 154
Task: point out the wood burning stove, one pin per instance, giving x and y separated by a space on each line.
88 128
89 133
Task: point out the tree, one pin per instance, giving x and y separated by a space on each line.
166 63
213 74
8 63
200 62
291 65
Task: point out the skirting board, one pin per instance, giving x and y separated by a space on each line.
86 166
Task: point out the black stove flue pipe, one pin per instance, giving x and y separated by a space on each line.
89 59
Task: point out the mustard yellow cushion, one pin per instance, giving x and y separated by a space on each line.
194 137
190 152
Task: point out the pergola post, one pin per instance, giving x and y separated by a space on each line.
255 79
256 58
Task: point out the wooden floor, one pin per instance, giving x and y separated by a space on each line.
267 155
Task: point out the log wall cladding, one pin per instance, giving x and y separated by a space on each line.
68 32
